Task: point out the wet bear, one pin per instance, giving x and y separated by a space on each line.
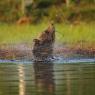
43 46
48 36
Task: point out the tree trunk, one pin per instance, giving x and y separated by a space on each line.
23 7
67 3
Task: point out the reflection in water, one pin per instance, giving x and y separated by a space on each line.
21 79
44 78
68 82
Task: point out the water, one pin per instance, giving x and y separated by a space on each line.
40 78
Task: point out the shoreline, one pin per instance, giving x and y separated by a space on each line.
24 51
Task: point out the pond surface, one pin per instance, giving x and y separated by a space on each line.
40 78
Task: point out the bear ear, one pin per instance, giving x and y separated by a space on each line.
35 40
46 31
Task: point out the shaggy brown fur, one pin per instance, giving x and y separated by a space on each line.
48 35
43 47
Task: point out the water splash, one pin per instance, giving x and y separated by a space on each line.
55 60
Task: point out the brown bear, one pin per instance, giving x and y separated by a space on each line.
48 35
43 47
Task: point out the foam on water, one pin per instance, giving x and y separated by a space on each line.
57 60
75 60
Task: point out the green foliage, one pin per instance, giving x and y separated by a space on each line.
44 3
89 1
9 10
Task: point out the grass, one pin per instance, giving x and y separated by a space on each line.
76 33
64 33
17 34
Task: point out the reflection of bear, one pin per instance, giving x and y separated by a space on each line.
43 47
44 78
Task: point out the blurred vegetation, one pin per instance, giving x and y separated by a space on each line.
44 10
65 33
9 10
